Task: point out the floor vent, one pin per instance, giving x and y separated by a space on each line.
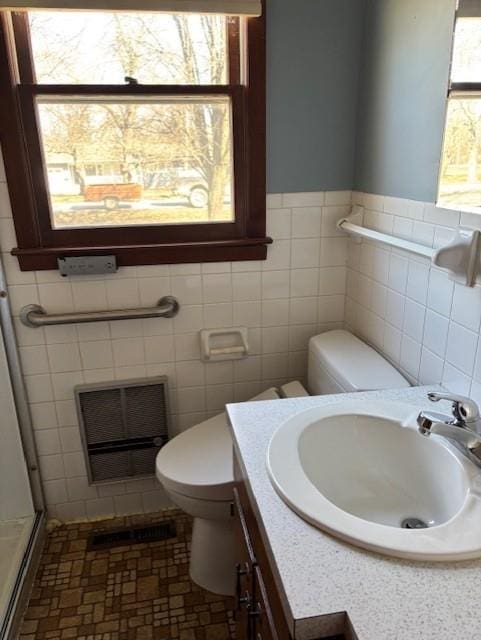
131 535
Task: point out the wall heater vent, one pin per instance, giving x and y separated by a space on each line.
123 426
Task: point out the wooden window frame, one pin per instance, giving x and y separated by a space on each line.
40 245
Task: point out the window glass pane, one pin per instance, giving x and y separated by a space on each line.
104 48
118 162
466 65
460 182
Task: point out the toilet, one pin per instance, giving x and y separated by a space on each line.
196 467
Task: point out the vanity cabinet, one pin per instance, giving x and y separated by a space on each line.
254 616
259 612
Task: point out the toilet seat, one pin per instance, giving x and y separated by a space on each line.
198 463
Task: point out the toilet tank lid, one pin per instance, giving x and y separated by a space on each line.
353 364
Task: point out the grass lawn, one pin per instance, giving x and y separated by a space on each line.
127 217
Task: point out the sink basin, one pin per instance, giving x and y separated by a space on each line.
362 472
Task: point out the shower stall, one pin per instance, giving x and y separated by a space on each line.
21 501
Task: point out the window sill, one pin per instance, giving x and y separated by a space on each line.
44 258
458 207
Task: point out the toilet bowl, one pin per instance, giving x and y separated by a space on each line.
196 467
196 471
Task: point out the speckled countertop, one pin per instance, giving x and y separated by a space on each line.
321 579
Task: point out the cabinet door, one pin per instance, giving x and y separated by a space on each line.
264 626
244 578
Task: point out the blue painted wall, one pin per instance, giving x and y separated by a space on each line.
313 69
403 83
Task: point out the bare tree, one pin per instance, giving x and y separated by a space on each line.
462 145
168 50
203 126
55 53
69 130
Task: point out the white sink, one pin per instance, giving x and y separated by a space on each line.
359 470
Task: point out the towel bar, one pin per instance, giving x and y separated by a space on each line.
385 238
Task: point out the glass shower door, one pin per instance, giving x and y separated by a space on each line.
17 512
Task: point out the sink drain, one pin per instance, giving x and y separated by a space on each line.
413 523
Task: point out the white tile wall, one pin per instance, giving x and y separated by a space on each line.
422 321
297 292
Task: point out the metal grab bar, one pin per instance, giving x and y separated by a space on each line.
385 238
33 315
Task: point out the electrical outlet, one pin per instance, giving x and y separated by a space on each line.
87 265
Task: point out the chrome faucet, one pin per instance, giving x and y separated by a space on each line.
462 428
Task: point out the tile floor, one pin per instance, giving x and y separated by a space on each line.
139 592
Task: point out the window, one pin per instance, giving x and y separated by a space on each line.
460 175
139 134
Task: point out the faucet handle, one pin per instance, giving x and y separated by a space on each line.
464 409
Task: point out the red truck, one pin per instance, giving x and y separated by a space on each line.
112 194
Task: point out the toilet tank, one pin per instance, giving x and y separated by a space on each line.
341 363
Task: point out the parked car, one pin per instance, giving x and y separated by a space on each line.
195 190
177 182
190 185
112 194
